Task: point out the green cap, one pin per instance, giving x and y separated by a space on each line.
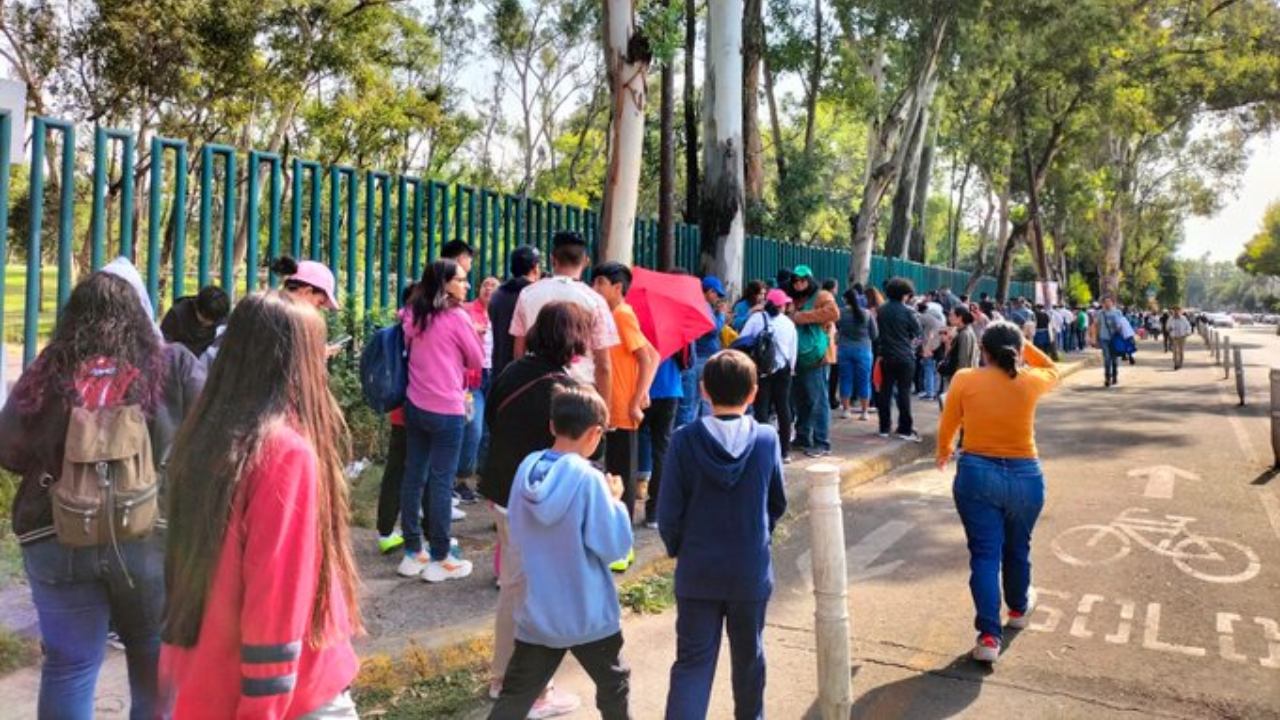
803 271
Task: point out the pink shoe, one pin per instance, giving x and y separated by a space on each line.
554 703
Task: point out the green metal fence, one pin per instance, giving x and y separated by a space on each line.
404 223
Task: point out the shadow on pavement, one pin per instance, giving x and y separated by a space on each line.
931 695
1266 477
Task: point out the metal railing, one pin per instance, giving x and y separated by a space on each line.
404 223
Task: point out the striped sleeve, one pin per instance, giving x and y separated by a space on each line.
280 571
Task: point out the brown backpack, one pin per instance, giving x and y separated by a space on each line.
107 491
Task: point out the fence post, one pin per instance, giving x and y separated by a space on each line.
6 129
1226 356
1217 347
830 588
1238 359
1275 414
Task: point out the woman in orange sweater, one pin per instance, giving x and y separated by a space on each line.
999 486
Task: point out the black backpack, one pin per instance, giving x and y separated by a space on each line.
759 347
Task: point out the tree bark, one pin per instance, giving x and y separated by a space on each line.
775 126
815 80
984 239
1005 275
920 199
692 189
667 172
752 52
908 166
723 231
627 54
953 230
1121 156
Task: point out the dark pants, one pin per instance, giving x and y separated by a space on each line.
78 592
895 374
620 459
813 414
698 627
392 475
659 422
434 443
774 394
532 667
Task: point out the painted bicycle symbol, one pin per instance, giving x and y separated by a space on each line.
1212 559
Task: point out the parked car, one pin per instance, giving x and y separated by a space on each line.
1222 320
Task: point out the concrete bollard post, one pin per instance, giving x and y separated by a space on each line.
830 590
1217 347
1275 414
1226 356
1237 358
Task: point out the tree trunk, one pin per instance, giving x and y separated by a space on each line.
775 126
1006 260
984 239
722 240
752 52
276 142
627 55
1121 153
953 230
692 190
815 80
667 171
895 245
920 200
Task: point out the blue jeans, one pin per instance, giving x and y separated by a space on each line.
78 593
855 372
999 500
469 459
698 627
1110 361
930 369
435 442
688 410
813 414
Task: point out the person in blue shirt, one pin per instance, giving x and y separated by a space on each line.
752 299
722 498
655 432
568 520
705 346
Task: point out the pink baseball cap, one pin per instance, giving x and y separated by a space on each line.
318 276
778 297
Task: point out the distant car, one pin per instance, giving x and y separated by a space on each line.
1222 320
1242 318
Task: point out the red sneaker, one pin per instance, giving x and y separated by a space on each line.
987 649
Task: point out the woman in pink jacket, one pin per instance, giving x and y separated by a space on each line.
443 346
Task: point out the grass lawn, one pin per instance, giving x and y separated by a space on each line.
15 288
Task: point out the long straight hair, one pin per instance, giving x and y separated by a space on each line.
430 296
270 372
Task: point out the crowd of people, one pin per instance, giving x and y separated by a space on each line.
183 480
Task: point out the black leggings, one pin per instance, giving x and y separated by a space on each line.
774 393
392 474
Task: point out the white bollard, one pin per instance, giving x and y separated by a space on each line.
1226 356
830 591
1217 347
1238 360
1275 414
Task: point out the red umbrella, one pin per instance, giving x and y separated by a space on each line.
671 308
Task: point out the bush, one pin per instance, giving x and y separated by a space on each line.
368 429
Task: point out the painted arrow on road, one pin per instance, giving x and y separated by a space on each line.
861 557
1161 479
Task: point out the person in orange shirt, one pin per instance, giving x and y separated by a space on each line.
999 486
635 363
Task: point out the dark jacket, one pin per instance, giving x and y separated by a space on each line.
717 510
502 306
855 332
31 444
518 427
900 332
182 325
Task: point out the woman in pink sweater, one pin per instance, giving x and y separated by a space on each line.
443 346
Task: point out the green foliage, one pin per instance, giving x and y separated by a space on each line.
1078 291
448 695
648 595
16 651
368 429
1262 254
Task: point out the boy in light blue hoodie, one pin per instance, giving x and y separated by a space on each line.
569 523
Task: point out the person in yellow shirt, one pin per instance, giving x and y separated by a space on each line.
999 486
635 363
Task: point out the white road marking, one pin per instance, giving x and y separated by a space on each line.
1121 635
1151 636
1054 615
1085 607
1226 641
1161 479
1272 506
1271 629
1237 427
863 554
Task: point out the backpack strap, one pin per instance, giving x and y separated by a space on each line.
526 387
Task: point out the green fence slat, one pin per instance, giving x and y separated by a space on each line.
155 214
252 214
6 134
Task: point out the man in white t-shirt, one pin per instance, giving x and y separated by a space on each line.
568 261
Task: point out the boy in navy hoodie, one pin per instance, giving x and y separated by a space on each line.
721 496
569 522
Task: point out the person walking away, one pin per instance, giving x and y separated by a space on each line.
635 363
473 434
519 419
710 343
773 392
568 262
262 584
1177 332
443 345
752 299
569 522
1107 324
525 270
932 323
1081 329
105 370
716 517
900 333
1164 329
659 422
814 310
194 320
999 485
856 333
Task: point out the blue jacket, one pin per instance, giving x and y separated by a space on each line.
721 496
568 529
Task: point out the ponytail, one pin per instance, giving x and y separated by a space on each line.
1002 341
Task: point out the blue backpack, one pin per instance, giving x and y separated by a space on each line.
384 369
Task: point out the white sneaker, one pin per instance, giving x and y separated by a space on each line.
987 649
459 514
553 703
1020 620
447 569
495 689
413 565
456 501
845 414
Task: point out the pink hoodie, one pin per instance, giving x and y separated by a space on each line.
439 355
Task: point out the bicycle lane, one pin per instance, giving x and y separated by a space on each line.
1158 569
